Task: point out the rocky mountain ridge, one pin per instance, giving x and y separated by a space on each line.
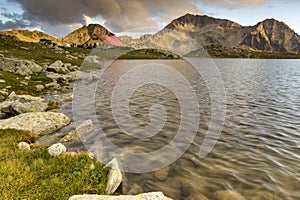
189 31
268 35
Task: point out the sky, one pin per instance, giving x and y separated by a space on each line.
136 17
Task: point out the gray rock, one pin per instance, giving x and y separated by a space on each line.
84 128
57 149
24 146
144 196
18 104
53 85
114 176
21 67
58 67
39 123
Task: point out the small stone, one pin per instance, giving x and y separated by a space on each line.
39 88
162 174
57 149
24 146
2 81
27 78
91 155
53 85
24 83
92 167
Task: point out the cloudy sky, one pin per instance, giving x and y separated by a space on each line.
59 17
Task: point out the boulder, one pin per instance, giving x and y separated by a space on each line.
18 104
114 176
58 67
144 196
84 128
57 149
39 123
21 67
24 146
228 195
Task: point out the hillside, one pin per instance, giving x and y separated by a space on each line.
269 35
82 34
31 36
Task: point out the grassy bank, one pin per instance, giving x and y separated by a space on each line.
37 175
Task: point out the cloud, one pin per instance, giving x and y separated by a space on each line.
118 15
231 4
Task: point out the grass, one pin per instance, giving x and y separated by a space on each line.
148 54
15 80
37 175
237 52
39 53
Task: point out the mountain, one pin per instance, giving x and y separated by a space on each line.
78 36
269 35
31 36
82 34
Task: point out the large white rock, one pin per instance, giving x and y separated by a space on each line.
114 176
57 149
40 123
21 67
144 196
58 67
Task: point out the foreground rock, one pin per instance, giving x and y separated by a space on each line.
40 123
114 176
19 104
145 196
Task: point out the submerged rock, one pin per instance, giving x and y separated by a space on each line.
114 176
144 196
228 195
162 174
84 128
40 123
57 149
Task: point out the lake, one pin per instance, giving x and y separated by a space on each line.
257 154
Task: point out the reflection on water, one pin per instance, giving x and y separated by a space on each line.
258 153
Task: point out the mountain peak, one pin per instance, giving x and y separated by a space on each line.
82 34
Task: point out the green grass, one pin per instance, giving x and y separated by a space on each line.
147 54
37 175
15 80
39 53
237 52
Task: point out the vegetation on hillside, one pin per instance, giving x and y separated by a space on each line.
35 174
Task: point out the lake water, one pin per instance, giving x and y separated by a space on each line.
257 154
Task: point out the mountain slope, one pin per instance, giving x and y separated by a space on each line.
269 35
31 36
81 35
